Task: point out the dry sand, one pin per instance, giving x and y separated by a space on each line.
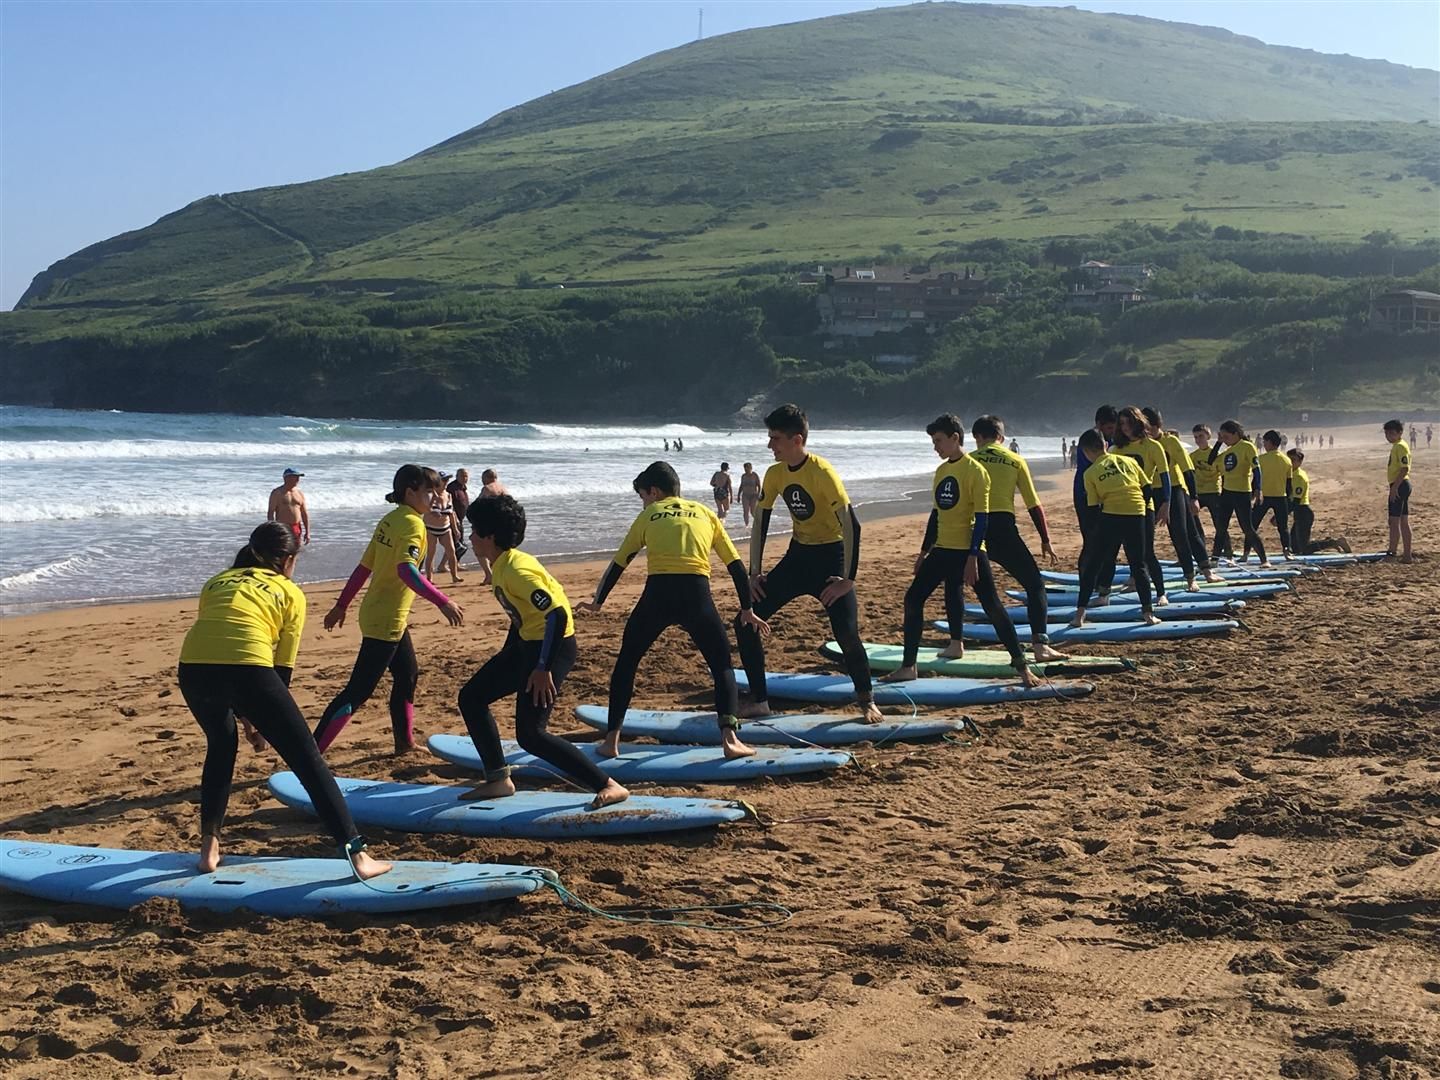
1224 865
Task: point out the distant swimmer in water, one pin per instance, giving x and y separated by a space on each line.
394 556
723 490
1303 517
821 561
951 554
539 652
237 659
749 491
1397 475
287 506
1119 494
678 536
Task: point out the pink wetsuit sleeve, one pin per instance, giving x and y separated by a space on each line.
357 580
420 585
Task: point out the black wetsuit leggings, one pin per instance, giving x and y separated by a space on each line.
375 656
1280 505
506 673
1008 551
805 570
1151 561
948 565
1300 539
1110 533
1238 504
1185 534
1085 515
215 694
668 600
1221 548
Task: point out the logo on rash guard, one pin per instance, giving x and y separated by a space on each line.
1231 460
798 500
947 493
540 600
415 553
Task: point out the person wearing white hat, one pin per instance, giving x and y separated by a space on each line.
287 506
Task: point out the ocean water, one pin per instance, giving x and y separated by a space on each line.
103 506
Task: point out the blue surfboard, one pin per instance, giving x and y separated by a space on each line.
269 885
1110 612
1069 594
779 729
642 763
1338 558
830 689
437 808
1121 631
1235 577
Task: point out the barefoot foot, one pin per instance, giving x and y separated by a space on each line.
610 745
870 713
609 795
1150 619
754 710
491 789
732 747
1025 675
209 854
367 868
1047 652
954 651
901 674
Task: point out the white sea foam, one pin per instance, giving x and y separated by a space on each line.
72 566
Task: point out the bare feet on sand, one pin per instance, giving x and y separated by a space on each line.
731 745
366 868
610 794
491 789
254 738
902 674
209 854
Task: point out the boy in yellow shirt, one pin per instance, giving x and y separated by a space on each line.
1397 475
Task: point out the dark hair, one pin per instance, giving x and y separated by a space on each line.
1133 415
1233 427
410 477
1272 436
1090 441
1394 425
489 476
747 465
1295 455
501 518
946 424
270 545
1105 414
1201 427
988 427
658 474
1152 416
724 466
789 420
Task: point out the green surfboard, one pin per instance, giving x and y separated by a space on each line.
982 663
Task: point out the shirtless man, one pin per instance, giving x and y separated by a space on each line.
492 489
723 489
287 506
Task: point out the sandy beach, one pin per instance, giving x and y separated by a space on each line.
1224 865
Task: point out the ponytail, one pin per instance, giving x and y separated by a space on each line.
270 546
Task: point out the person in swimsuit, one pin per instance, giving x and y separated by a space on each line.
394 556
539 652
238 658
287 506
723 489
440 528
821 561
678 536
749 491
1397 475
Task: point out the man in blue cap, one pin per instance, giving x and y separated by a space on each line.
287 506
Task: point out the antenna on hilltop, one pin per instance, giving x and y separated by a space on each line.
700 33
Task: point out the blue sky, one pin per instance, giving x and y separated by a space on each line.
115 113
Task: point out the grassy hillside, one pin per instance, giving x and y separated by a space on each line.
911 129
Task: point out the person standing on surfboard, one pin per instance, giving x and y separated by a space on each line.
678 536
821 561
1118 492
952 553
395 555
1276 488
1239 484
1010 472
237 659
539 652
1183 520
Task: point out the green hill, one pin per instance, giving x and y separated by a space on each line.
942 133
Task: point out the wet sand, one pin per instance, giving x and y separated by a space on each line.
1224 865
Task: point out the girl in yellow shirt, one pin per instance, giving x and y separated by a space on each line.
236 661
1276 489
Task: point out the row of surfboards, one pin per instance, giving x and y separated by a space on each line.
686 752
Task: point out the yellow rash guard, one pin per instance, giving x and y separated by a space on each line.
247 616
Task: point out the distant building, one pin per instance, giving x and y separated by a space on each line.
1097 273
1107 297
861 302
1406 309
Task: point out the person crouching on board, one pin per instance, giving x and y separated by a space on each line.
1302 514
678 536
539 652
237 659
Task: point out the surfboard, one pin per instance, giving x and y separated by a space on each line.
269 885
639 763
1122 631
831 689
779 729
1109 613
981 663
1068 594
1338 558
1233 577
437 808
